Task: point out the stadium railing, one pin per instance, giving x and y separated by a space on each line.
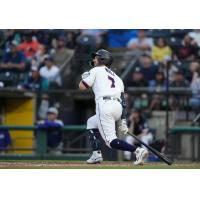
176 134
41 143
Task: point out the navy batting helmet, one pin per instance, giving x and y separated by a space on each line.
104 57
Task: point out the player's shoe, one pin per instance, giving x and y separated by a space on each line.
95 158
141 155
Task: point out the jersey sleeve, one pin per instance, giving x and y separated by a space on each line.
122 86
89 78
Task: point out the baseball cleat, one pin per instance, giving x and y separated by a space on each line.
95 158
141 155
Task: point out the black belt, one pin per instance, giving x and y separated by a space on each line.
111 98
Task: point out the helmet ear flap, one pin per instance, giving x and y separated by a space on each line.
106 62
109 62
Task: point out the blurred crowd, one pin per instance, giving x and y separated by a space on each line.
44 60
48 59
166 58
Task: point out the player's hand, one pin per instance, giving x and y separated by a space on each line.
122 127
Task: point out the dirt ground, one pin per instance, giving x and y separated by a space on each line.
60 164
83 165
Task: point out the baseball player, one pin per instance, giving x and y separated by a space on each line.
110 108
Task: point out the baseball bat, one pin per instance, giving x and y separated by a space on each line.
154 151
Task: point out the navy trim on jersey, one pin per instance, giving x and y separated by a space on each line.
85 84
101 123
110 71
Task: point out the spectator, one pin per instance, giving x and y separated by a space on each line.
137 79
141 43
195 87
41 35
157 85
71 39
13 60
61 53
40 56
12 34
188 49
171 67
193 68
12 64
179 82
51 72
137 125
161 51
35 82
148 67
54 134
5 139
179 79
98 34
29 46
195 35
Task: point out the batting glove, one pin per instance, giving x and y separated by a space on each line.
122 127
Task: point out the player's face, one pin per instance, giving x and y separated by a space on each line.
96 62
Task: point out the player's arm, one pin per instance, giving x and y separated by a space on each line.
122 125
82 86
87 79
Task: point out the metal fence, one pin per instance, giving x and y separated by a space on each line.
41 149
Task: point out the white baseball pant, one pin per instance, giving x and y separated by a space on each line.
107 113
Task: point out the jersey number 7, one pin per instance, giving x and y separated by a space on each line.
112 81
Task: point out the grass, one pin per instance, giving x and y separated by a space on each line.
63 164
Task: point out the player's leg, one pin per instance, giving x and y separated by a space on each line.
93 132
141 153
129 139
108 113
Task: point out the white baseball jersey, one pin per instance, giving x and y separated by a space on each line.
105 83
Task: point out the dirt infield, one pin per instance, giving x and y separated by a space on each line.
60 165
29 164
